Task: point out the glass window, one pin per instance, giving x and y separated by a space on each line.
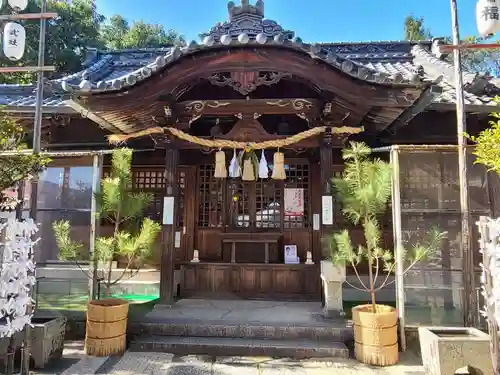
46 249
65 187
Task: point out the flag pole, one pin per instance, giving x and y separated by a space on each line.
466 249
37 133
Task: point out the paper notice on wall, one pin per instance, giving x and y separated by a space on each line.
168 210
327 209
294 202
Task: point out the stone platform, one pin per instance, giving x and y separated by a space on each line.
241 327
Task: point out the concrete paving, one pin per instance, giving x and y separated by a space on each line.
168 364
262 312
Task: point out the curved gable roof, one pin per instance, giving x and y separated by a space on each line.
379 63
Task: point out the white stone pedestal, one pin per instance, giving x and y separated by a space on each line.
332 277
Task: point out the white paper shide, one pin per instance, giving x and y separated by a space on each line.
16 275
487 17
14 41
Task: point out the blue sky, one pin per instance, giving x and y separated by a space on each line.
312 20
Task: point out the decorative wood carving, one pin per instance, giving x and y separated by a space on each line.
247 129
60 120
300 106
141 101
310 107
196 108
296 104
246 82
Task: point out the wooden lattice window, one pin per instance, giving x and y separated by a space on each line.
152 180
297 176
240 206
267 204
148 180
211 198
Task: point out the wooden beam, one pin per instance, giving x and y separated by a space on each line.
304 106
28 16
27 69
464 46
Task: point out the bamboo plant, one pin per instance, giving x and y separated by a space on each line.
364 191
122 208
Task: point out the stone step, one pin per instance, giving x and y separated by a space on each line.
336 331
219 346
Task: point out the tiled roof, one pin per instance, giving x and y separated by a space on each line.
398 63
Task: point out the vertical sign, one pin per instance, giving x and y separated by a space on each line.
327 209
168 211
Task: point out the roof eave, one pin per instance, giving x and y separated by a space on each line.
85 112
469 108
28 109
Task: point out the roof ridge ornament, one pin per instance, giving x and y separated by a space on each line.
245 8
245 19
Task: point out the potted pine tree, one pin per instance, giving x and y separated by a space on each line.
364 191
132 239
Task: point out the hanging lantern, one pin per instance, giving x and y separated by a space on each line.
220 165
18 4
263 168
234 167
487 17
248 170
14 40
279 166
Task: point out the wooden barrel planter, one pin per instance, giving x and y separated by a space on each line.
106 329
376 335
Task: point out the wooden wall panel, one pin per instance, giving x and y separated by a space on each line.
208 244
296 282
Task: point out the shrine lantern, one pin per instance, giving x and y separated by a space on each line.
18 4
14 41
487 17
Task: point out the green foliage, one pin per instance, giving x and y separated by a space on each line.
415 29
364 191
67 38
481 61
487 144
473 60
122 208
118 34
116 202
69 250
365 186
76 29
15 168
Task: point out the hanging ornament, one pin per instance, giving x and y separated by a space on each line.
279 166
14 40
220 165
487 17
248 170
234 167
263 168
18 5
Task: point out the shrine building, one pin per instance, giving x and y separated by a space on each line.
251 84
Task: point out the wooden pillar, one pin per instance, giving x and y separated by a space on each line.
170 209
326 163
